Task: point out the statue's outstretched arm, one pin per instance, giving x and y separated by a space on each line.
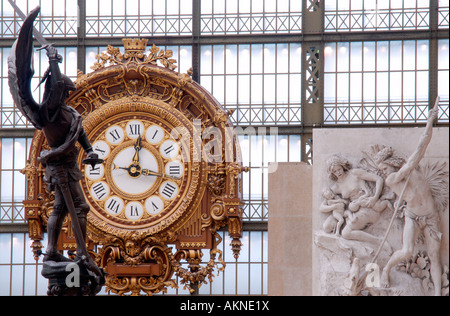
424 141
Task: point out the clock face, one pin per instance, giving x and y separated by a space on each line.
145 174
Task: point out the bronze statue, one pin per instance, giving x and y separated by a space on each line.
62 128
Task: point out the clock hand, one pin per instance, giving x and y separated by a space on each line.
147 172
137 148
115 167
134 171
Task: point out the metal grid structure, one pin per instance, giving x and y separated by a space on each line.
58 18
285 67
259 82
250 17
138 18
377 82
367 15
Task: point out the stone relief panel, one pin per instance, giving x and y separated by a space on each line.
379 229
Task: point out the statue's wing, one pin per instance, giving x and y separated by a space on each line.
436 175
20 71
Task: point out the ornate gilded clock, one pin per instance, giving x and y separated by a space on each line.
170 178
147 175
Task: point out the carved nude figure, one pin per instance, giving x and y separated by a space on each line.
336 206
352 185
412 183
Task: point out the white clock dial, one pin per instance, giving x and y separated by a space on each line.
154 134
115 135
175 169
95 173
169 149
134 211
132 182
135 129
114 205
101 148
169 190
154 205
100 190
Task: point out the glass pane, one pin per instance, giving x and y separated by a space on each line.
5 251
282 58
244 89
256 59
6 189
18 245
409 80
423 55
5 276
356 62
244 59
296 58
342 87
356 88
396 53
282 84
269 58
369 84
409 55
257 89
206 60
382 56
295 149
231 89
283 148
395 86
218 59
231 59
382 86
369 56
20 153
6 153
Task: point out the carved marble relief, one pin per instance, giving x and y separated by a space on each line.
380 227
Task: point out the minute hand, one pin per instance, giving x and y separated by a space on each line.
147 172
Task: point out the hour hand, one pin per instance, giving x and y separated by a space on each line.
137 147
147 172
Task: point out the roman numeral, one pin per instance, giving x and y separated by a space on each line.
115 134
134 211
135 129
168 190
155 207
114 206
100 150
99 190
169 149
95 171
154 135
174 170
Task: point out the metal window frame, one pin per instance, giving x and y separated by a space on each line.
312 36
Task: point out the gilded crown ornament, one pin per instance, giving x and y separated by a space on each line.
134 44
135 53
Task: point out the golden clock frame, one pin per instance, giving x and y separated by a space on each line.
143 261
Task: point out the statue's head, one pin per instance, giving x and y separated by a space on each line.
70 86
388 162
338 167
386 169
